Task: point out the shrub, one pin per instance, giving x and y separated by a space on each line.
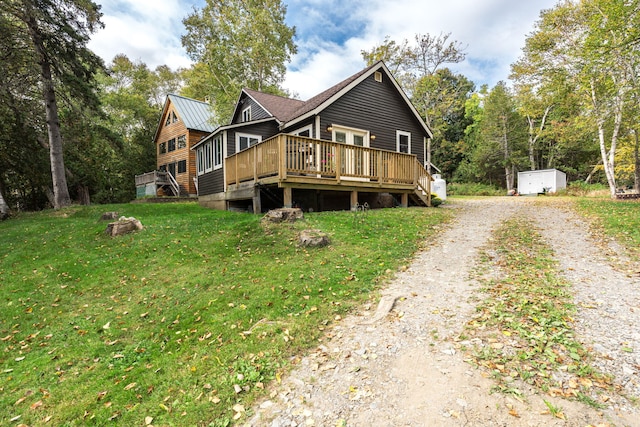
474 189
435 200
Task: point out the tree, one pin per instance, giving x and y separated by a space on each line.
440 98
594 44
236 44
502 134
437 93
58 32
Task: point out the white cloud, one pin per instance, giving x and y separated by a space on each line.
492 31
331 34
145 30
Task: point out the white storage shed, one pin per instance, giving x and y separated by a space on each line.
541 181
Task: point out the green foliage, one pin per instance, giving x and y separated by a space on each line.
167 321
236 44
473 189
581 188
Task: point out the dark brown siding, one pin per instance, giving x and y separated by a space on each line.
211 183
378 108
266 130
257 112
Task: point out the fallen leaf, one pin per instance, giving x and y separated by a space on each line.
36 405
130 386
148 420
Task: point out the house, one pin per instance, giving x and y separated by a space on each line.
183 123
360 141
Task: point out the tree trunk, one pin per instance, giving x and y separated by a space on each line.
84 198
4 207
59 180
636 156
608 156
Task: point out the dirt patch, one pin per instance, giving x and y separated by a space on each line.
404 365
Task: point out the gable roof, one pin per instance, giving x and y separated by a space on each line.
321 101
196 115
278 107
289 111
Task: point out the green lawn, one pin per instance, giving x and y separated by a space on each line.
183 320
620 219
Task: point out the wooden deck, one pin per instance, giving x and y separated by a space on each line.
300 162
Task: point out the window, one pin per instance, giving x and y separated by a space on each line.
305 131
208 163
182 166
246 114
377 76
171 145
163 168
403 142
200 160
217 152
244 141
162 148
182 141
171 118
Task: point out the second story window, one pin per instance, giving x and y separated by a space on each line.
246 114
182 141
162 148
171 145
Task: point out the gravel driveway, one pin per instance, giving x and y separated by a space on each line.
405 367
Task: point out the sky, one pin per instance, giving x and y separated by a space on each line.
330 34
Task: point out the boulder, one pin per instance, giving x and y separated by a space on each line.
109 216
313 239
123 226
284 215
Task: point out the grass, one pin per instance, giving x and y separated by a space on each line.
474 189
183 323
617 218
525 321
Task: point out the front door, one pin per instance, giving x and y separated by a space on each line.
356 157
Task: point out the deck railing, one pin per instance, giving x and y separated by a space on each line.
288 155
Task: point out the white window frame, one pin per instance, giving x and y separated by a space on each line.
303 129
258 139
208 157
400 133
218 153
246 114
200 160
350 132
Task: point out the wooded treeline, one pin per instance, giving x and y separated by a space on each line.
77 130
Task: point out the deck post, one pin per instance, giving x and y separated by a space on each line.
288 197
257 204
404 200
354 200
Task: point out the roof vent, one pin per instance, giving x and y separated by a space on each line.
377 76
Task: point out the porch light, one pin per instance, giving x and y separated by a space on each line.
372 137
329 128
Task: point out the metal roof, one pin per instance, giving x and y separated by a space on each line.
196 115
